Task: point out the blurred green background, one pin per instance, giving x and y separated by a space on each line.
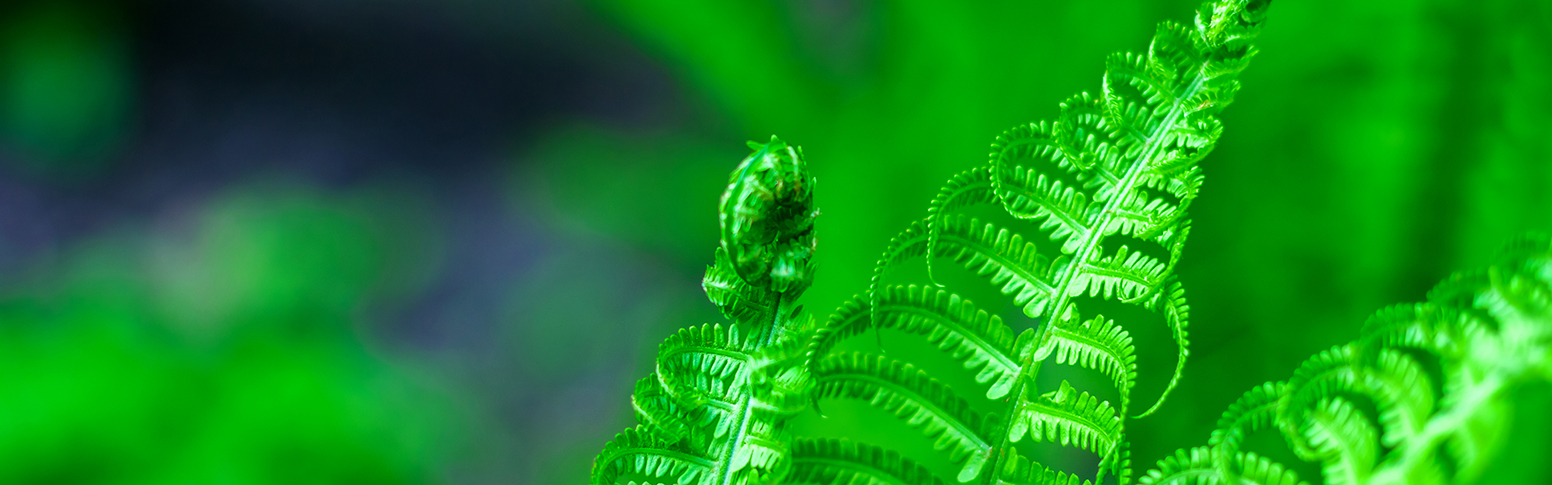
342 241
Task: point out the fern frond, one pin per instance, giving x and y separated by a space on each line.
702 364
1098 344
665 416
1254 411
978 340
1402 392
1321 376
1129 276
1069 418
843 462
1177 315
1489 330
1146 217
1064 210
1344 441
1017 470
636 452
907 392
767 217
968 188
1196 467
779 379
1421 326
999 254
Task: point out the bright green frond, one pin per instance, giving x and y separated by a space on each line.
1344 440
1081 138
665 416
635 452
767 218
1177 315
1030 141
968 188
1127 275
979 340
1403 393
1321 377
843 462
909 393
999 254
1059 208
779 380
1017 470
700 363
1120 167
1195 467
1070 418
1101 345
1254 411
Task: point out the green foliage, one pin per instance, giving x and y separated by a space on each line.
224 355
1440 375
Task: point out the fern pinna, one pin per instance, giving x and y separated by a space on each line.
713 412
1437 374
1109 182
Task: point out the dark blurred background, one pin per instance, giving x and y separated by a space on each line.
419 241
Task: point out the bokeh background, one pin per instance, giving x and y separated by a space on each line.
432 241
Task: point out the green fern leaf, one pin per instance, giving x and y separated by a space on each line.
978 340
842 462
635 452
665 416
1017 470
907 392
1196 467
999 254
1101 345
969 188
1064 210
1172 303
1128 276
1488 330
702 364
1069 418
1403 392
1343 440
1254 411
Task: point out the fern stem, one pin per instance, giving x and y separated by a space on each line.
770 331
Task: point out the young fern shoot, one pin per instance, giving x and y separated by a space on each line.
1109 182
714 412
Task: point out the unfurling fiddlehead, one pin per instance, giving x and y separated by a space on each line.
714 412
1438 373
